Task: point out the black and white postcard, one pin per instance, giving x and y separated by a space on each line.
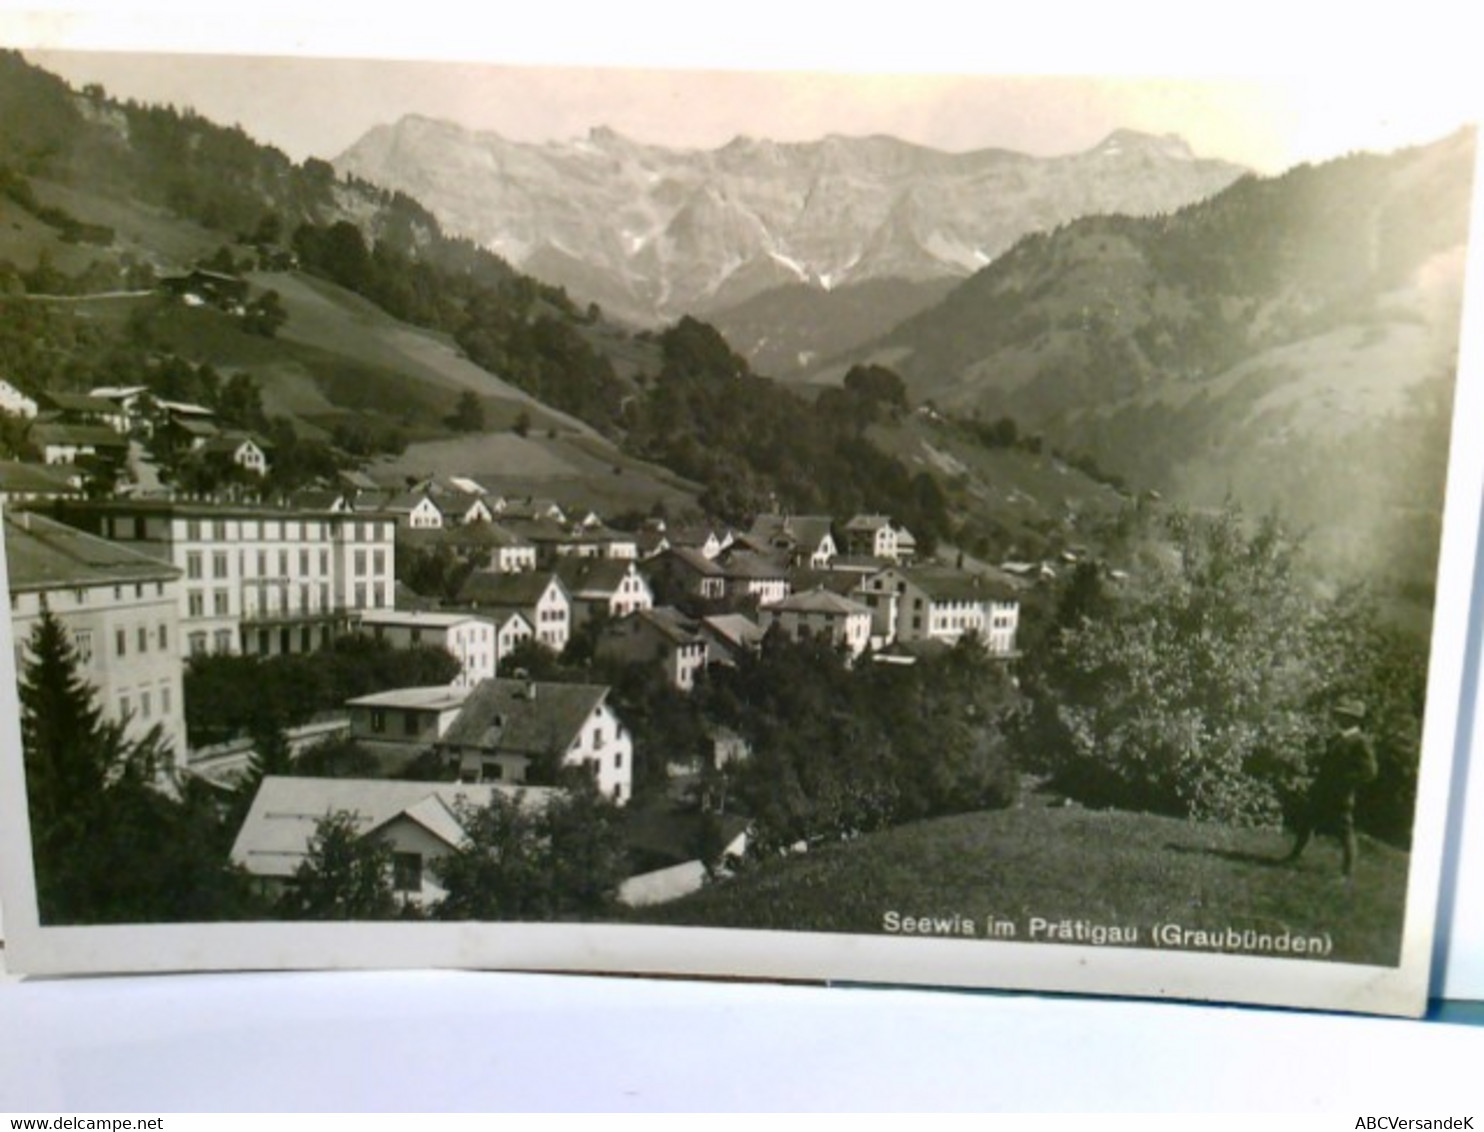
969 531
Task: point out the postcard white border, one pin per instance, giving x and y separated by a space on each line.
754 954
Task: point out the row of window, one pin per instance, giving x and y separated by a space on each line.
143 702
200 642
273 530
142 637
277 599
221 563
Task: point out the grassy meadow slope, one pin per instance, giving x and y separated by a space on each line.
1101 867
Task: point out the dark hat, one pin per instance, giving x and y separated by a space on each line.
1352 707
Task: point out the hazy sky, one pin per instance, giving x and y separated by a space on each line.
310 107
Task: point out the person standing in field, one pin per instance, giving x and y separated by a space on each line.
1349 763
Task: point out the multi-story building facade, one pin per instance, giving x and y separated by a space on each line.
256 580
468 639
662 636
121 609
944 605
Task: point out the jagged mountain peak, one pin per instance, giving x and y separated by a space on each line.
834 210
1169 145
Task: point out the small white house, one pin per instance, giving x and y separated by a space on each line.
510 729
413 717
15 402
420 822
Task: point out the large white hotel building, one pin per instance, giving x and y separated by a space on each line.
255 579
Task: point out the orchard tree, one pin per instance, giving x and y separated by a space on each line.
524 859
1204 691
345 876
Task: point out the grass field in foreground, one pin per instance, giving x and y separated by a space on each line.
1100 867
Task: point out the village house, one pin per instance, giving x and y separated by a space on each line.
730 637
610 543
189 434
709 541
418 821
411 510
16 401
24 483
62 443
200 286
468 639
540 598
547 537
120 608
461 509
238 449
82 409
511 630
873 536
603 587
130 401
683 570
320 499
533 508
802 540
752 575
820 614
509 730
935 603
508 552
662 636
651 541
405 718
256 579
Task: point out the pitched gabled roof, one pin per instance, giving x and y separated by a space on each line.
274 840
693 560
694 536
868 523
515 591
806 531
593 578
80 436
184 408
403 503
117 392
534 508
37 479
747 565
533 530
229 443
670 624
316 499
734 629
942 584
436 697
524 717
818 601
79 403
456 502
837 581
193 427
43 554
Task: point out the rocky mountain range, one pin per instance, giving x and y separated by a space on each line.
651 233
1290 342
